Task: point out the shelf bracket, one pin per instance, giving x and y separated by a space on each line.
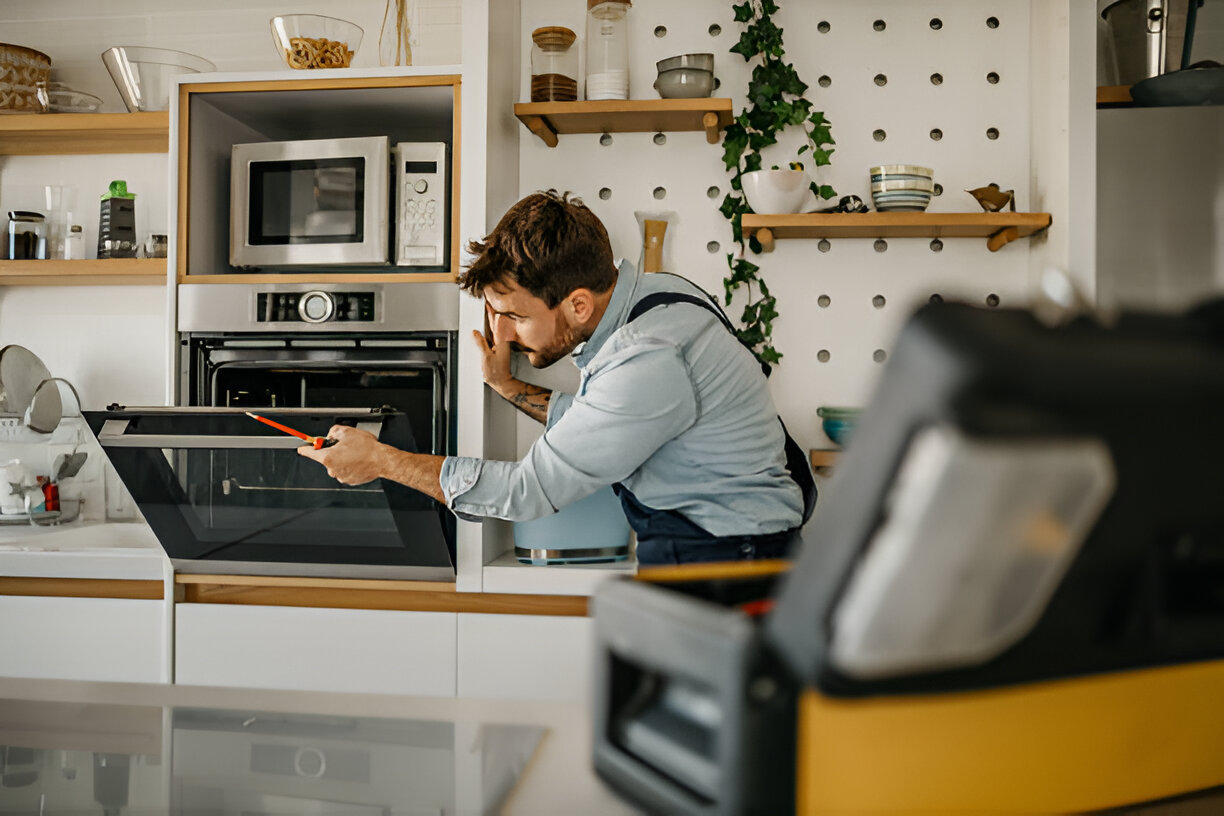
710 122
541 128
1002 238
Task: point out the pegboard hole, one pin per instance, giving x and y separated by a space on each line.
715 29
992 133
879 25
879 302
823 355
879 135
712 247
936 23
936 79
823 245
660 31
880 245
823 301
992 22
879 355
936 134
712 192
992 300
992 78
660 138
938 189
881 80
605 193
605 139
936 298
936 245
824 81
660 192
823 26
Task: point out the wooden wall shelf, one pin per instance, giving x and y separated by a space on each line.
1111 95
46 134
88 272
823 458
998 229
320 277
548 119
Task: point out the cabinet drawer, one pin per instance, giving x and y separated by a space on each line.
525 657
346 650
112 639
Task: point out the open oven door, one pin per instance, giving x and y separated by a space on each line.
225 494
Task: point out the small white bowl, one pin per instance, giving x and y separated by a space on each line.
776 191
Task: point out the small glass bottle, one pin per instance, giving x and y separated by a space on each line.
607 59
74 243
554 65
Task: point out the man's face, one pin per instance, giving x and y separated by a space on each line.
525 321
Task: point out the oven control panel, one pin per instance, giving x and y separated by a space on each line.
316 306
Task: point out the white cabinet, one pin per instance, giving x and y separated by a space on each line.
110 639
297 648
525 657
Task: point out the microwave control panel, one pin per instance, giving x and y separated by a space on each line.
420 199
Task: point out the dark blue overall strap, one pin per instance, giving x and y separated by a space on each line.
796 462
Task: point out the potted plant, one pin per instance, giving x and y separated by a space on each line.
775 102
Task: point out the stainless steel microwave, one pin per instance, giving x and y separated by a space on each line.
338 202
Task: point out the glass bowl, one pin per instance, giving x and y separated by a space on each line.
144 76
315 41
62 99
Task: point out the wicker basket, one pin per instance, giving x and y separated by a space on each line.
22 71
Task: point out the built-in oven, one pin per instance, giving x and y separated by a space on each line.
226 494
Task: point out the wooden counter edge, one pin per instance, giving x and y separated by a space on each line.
119 588
341 593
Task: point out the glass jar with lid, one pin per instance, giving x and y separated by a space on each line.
554 65
607 60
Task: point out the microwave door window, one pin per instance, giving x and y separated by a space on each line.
317 201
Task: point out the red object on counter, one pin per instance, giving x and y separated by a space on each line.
50 496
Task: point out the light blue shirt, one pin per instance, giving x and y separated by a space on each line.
672 405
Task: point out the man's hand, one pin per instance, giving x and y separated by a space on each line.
358 457
495 357
494 362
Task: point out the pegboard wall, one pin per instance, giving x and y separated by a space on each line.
943 84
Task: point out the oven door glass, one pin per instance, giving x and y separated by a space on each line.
224 493
307 201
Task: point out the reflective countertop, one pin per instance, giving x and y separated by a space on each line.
70 747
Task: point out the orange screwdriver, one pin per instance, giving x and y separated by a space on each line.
315 441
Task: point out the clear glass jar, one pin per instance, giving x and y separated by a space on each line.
607 60
74 243
554 65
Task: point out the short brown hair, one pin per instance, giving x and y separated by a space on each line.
549 244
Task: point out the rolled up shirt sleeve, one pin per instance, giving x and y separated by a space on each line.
635 401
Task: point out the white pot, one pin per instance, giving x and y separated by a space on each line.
777 191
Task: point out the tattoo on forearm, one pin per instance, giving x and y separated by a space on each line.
532 401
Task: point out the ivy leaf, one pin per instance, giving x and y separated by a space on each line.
769 355
743 11
826 192
821 157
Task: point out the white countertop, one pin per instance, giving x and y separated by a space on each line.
83 550
555 778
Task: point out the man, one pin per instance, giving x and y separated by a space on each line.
671 408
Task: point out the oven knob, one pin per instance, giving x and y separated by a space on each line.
316 306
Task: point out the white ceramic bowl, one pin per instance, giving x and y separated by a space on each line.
144 75
776 191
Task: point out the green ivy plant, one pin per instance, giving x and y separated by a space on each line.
775 102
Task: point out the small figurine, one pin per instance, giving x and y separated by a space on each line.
992 198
